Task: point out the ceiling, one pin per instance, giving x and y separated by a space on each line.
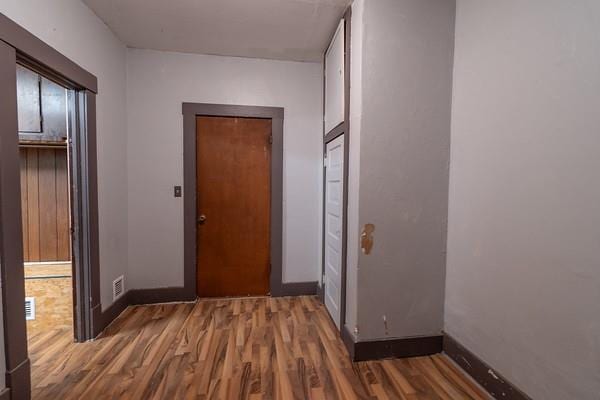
296 30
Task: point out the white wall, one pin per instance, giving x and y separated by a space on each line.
523 275
353 234
74 30
158 82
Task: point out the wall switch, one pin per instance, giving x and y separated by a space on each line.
177 191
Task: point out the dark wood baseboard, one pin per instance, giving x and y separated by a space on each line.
348 341
19 382
321 293
397 348
5 394
482 373
391 348
101 319
159 295
295 289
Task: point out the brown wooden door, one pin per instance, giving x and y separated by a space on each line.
234 187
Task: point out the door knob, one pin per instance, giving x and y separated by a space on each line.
201 218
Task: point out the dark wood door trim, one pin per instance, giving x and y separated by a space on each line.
19 46
190 112
11 236
52 63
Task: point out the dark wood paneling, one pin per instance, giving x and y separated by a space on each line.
234 188
63 222
481 372
45 204
24 202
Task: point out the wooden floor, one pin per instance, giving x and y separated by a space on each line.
255 348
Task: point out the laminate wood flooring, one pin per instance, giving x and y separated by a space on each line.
251 348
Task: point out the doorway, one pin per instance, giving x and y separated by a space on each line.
19 48
233 212
45 205
233 200
334 214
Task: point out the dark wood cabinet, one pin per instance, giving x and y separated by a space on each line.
42 108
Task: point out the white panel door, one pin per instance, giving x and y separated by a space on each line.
334 80
334 194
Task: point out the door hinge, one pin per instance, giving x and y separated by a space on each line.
270 139
324 161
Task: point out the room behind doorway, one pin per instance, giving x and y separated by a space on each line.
45 207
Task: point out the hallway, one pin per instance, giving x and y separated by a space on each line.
251 348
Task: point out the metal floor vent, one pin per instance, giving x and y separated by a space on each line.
29 308
118 287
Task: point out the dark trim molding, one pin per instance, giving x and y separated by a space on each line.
348 341
320 292
299 289
47 58
19 381
101 319
11 236
190 112
339 130
391 348
482 373
398 348
159 295
5 394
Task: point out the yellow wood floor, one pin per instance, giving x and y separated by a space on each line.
254 348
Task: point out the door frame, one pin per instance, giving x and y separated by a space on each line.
343 128
18 46
275 114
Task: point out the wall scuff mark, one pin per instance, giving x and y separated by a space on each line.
366 238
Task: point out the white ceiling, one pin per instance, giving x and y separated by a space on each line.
278 29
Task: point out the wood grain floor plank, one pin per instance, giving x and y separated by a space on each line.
257 348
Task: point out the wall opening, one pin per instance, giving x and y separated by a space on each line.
43 127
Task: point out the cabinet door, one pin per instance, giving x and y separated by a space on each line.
334 80
54 110
28 100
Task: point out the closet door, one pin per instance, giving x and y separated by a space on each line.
334 195
334 80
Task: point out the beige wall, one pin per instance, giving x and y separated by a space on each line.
74 30
523 284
